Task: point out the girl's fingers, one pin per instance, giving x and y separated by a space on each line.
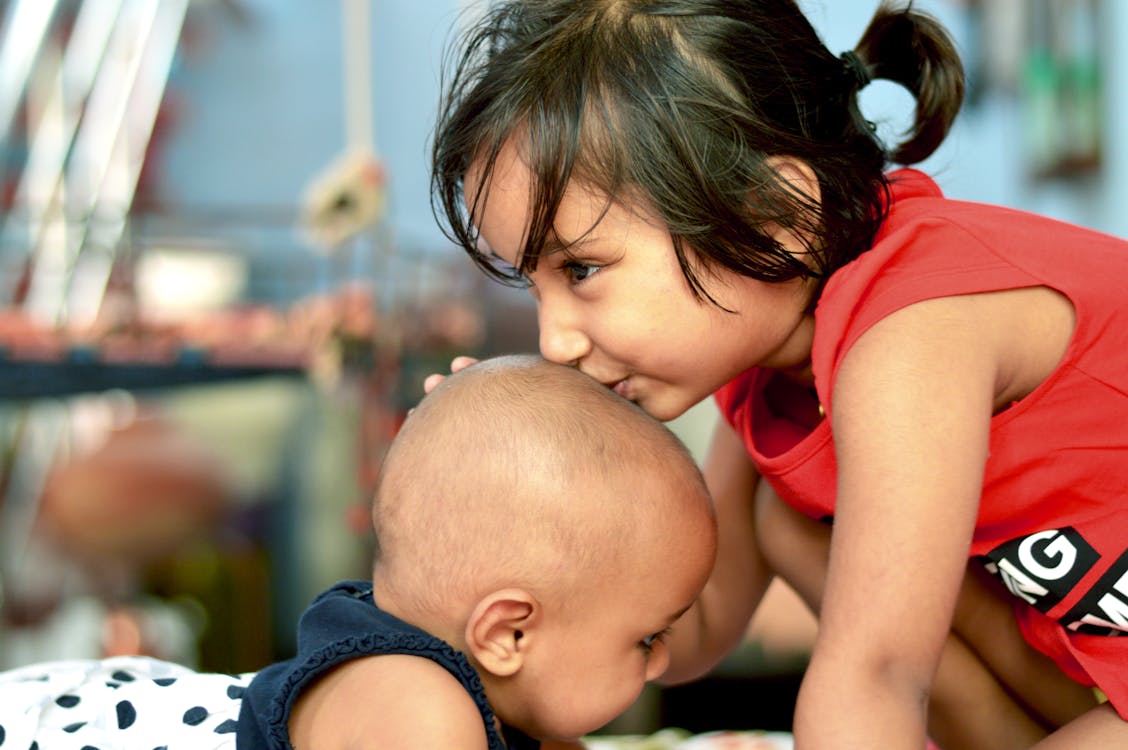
456 364
459 363
432 381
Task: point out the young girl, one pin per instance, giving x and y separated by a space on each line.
695 201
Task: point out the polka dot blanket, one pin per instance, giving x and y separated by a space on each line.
122 703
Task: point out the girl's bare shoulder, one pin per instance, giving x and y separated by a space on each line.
1018 336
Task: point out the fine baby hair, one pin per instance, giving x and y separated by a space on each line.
530 518
687 106
520 470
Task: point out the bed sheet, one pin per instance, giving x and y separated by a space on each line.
677 739
129 702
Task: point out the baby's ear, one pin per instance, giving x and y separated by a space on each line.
497 634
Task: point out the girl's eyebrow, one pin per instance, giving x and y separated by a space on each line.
553 243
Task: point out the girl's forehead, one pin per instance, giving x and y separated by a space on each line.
498 198
507 171
509 185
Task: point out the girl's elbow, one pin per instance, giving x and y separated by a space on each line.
890 673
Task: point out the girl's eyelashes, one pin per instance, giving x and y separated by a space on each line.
648 643
577 271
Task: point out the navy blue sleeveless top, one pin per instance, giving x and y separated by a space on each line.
341 624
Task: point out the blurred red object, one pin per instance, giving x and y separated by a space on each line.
146 492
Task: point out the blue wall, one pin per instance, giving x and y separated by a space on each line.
264 112
263 105
982 158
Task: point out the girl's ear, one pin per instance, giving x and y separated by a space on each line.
798 175
498 631
801 180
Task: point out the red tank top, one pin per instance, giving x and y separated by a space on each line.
1053 517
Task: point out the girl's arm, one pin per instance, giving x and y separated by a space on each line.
719 619
972 704
911 415
985 621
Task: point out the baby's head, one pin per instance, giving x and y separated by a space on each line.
549 529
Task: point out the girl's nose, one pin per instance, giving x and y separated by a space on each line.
561 340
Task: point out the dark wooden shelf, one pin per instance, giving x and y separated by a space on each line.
75 370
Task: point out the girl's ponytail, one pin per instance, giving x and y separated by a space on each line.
913 49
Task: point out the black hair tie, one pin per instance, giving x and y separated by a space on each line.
856 68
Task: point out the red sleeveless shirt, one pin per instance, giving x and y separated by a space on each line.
1053 516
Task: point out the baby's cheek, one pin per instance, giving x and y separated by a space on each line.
658 662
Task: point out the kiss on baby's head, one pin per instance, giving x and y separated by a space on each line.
550 530
517 469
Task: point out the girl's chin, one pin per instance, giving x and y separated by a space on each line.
662 411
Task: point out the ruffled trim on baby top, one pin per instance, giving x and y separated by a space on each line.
344 623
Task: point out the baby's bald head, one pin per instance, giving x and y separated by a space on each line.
517 471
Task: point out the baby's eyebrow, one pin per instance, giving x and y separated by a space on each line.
682 611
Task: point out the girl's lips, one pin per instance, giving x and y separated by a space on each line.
622 387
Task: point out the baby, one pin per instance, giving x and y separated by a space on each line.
537 537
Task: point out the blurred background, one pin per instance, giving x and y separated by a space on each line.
221 285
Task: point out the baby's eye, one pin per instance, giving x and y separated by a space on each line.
649 642
578 272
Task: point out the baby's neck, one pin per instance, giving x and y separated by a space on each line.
389 598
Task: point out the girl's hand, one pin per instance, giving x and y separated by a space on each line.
456 364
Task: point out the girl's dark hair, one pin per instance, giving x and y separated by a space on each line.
683 104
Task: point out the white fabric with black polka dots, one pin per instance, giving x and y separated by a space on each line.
121 703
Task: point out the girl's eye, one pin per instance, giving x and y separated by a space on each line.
578 272
649 642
